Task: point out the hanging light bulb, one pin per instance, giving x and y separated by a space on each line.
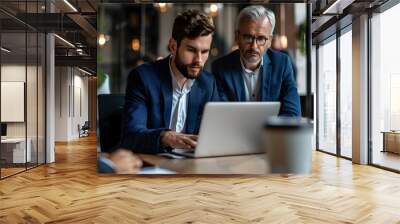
213 8
284 41
135 44
101 39
162 6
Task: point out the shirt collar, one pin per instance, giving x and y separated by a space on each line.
248 70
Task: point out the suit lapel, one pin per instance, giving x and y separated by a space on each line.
265 77
237 79
166 90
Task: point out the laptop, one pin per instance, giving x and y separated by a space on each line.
231 128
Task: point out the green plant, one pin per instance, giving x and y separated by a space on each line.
301 38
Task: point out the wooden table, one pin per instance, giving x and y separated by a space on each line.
243 164
391 141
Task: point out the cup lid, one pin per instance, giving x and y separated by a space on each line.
282 122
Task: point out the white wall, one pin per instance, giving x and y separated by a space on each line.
33 127
61 103
80 94
71 94
13 73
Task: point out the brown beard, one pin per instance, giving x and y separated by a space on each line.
184 69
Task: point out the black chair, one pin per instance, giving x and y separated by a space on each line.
84 129
307 106
111 107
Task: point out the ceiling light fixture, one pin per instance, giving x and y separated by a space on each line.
162 6
65 41
70 5
337 7
79 51
5 50
84 71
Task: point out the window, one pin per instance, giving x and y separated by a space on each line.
346 94
385 89
327 97
22 76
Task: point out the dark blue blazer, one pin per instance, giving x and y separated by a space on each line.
277 81
103 167
148 103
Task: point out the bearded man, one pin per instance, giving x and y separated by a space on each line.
165 99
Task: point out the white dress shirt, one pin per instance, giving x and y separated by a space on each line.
180 98
252 82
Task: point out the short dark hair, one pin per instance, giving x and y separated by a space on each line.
191 24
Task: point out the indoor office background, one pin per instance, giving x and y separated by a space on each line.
355 78
333 62
29 62
120 49
22 77
130 34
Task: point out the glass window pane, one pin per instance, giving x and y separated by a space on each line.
15 149
13 87
327 97
31 97
41 98
23 85
385 86
346 94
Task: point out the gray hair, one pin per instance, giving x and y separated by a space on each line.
254 12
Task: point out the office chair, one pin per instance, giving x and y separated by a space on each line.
84 129
111 107
304 102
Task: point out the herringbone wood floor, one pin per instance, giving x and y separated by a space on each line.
70 191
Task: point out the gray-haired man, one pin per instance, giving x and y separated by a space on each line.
254 72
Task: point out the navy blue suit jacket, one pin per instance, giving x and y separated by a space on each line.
148 103
277 81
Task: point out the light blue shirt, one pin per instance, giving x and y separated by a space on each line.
251 81
180 98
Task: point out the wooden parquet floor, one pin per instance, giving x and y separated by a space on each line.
70 191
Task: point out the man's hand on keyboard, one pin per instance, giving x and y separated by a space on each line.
178 140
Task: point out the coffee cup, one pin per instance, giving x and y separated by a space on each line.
288 144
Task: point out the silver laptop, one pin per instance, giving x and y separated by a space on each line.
231 128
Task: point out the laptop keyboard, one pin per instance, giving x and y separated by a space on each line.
184 152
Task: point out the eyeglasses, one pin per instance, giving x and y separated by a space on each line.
260 40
